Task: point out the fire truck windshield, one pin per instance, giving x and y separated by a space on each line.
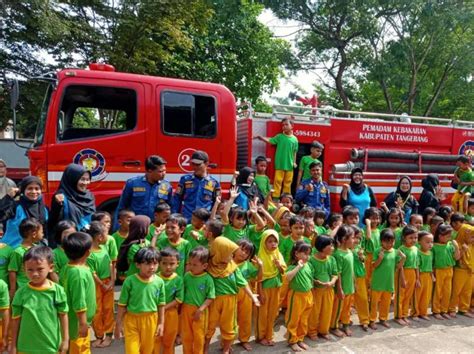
39 135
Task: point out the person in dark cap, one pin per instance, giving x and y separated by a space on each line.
196 190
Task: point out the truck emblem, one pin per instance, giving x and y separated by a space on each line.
93 161
467 148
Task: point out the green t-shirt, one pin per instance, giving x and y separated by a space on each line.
151 232
173 288
5 255
398 237
287 245
200 241
198 288
4 295
443 255
248 270
234 234
345 267
39 308
140 295
464 176
373 243
16 265
304 166
263 184
425 261
118 239
359 267
229 285
99 262
425 227
255 236
286 148
132 251
80 291
111 247
274 282
411 262
183 247
303 280
323 269
320 230
383 277
59 259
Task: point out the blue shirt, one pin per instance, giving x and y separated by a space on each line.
193 193
317 198
359 201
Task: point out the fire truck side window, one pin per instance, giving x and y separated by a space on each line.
88 111
188 114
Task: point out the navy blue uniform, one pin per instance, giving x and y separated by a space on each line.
318 198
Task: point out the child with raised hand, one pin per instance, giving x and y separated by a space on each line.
141 313
234 219
383 276
31 231
372 218
104 276
341 311
169 260
162 213
251 268
300 297
445 255
77 280
269 289
228 280
361 298
62 230
194 232
261 220
124 218
424 291
407 278
39 310
324 269
199 292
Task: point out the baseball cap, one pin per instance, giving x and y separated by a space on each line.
199 157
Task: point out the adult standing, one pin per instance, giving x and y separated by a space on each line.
142 194
402 198
196 190
313 191
431 194
248 190
7 186
357 194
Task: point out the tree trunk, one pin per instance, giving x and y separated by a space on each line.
386 95
338 79
438 89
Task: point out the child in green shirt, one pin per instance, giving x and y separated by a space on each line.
320 221
5 255
124 218
39 309
194 232
63 229
316 150
162 213
5 315
361 298
423 293
261 179
464 178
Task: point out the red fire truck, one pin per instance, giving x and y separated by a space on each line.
110 121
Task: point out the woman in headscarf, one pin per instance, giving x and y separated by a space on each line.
247 188
30 205
73 201
431 194
228 280
7 186
403 199
357 194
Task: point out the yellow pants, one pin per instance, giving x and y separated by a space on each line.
423 294
284 292
300 305
369 257
103 322
380 302
244 315
361 301
341 311
81 345
222 314
193 332
462 290
282 182
442 292
139 332
320 317
472 285
404 296
458 202
166 343
267 313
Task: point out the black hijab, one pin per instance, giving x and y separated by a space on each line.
430 182
407 194
357 188
80 203
33 208
250 190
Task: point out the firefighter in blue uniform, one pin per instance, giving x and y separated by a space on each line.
313 191
197 190
142 193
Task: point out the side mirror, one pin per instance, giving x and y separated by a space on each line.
14 93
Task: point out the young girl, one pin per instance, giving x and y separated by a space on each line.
141 310
382 281
341 311
361 299
394 223
106 220
63 229
372 239
324 277
320 218
427 215
235 220
269 289
445 212
407 277
424 288
445 255
300 297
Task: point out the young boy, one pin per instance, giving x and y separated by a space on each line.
76 277
104 276
32 232
285 157
315 152
124 217
162 213
464 178
194 232
39 310
261 179
213 229
199 293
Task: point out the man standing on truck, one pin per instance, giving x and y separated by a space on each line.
142 193
197 190
313 191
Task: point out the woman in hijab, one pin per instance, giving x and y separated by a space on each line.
403 199
73 201
431 194
247 188
30 205
358 194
